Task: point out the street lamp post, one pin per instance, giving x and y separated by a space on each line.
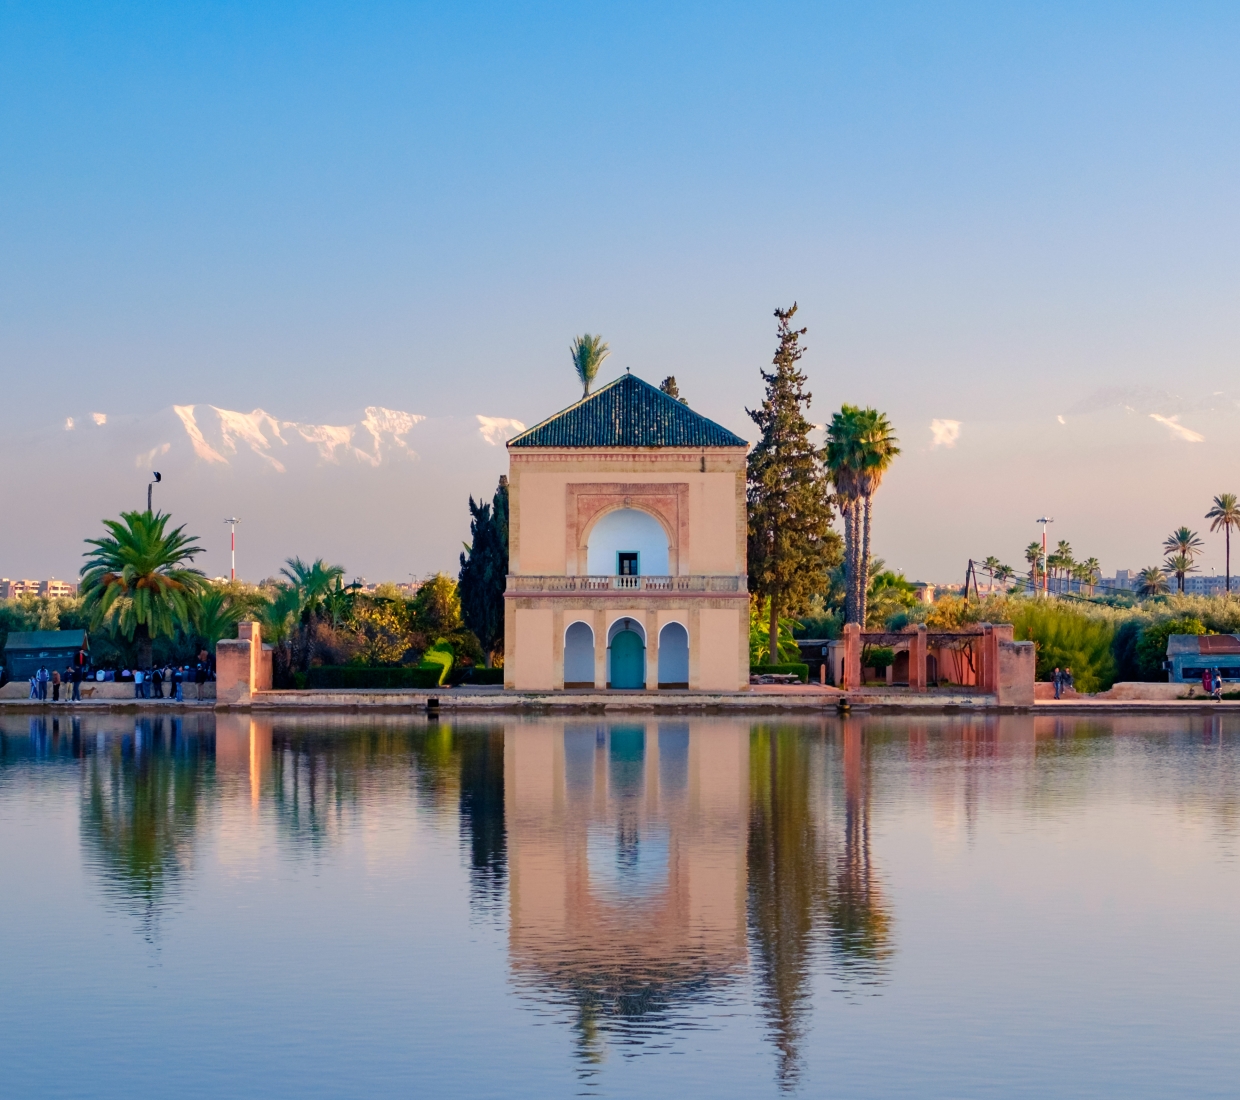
232 573
156 478
1044 521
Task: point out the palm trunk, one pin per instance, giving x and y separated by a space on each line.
1227 567
856 561
864 572
774 635
848 562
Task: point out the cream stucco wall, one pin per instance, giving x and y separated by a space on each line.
555 497
538 512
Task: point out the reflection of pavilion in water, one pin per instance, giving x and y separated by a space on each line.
626 860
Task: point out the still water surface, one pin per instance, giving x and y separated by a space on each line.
328 907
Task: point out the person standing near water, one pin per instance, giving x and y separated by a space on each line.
1057 680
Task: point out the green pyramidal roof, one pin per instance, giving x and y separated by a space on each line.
627 413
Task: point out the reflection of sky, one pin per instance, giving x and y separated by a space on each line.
627 864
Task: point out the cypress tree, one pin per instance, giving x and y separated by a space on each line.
791 544
484 570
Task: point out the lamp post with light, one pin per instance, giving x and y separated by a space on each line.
1044 521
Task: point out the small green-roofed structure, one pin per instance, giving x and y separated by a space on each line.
627 413
25 651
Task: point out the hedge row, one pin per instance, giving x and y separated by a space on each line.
791 667
360 679
357 678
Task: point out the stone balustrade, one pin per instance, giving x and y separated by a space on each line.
601 585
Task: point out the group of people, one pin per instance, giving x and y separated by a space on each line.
1212 681
147 683
1062 679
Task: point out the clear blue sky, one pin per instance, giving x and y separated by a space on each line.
996 214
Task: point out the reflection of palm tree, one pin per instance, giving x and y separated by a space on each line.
860 924
139 813
788 880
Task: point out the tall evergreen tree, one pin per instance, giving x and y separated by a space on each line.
791 544
484 569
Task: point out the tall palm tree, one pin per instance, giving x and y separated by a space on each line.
877 441
1004 573
588 353
991 565
844 462
1063 560
1033 555
1225 514
1183 541
1152 581
1180 565
1092 571
138 580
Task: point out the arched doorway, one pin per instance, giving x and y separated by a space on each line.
579 656
626 656
673 656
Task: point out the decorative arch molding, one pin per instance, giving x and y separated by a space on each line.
627 622
588 502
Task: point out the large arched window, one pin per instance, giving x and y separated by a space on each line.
627 541
674 656
579 656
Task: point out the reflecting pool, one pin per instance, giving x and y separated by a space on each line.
320 906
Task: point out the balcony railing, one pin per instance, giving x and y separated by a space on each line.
534 584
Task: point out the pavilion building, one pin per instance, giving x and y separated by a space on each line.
627 533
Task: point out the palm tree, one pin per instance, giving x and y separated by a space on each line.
843 462
1183 541
1152 581
877 441
1033 555
588 353
139 582
1092 570
991 565
1225 514
314 585
1180 565
215 615
1004 573
1063 560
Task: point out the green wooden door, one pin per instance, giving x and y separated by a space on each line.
628 660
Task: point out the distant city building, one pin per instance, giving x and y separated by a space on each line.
10 590
1204 586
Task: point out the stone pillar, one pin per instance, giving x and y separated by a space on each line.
651 623
917 649
240 666
600 650
852 656
1017 666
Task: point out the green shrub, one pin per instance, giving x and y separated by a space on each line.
877 657
1152 645
1068 637
440 656
359 678
800 670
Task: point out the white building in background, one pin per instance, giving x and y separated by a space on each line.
1204 585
